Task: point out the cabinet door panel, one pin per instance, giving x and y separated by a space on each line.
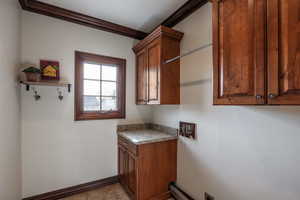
284 51
132 174
239 51
154 71
142 72
122 161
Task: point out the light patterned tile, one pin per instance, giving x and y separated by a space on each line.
111 192
82 196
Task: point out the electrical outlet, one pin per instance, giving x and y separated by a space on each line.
208 196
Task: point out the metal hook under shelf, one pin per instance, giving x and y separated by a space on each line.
36 95
60 96
59 85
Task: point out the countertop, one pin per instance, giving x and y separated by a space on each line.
145 136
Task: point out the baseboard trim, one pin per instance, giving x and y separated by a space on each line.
178 193
66 192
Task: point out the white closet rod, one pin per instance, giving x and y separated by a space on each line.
188 53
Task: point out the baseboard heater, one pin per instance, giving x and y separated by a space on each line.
178 193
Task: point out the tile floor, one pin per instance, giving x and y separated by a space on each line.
111 192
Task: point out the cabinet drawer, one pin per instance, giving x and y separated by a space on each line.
129 146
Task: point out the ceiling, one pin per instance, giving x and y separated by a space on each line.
143 15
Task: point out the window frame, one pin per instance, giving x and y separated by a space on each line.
80 58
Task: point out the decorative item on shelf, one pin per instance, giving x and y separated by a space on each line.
49 70
32 74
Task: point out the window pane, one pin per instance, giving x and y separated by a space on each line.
109 88
91 71
109 103
91 88
91 103
109 73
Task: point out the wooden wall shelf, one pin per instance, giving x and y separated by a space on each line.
47 83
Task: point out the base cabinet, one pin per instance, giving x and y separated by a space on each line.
146 170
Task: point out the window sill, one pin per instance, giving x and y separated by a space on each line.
99 116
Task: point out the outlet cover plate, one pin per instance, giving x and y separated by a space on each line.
187 129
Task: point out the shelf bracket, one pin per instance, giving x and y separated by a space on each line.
69 88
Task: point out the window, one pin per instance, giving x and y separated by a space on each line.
99 87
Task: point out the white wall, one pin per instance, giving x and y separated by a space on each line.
58 152
241 153
10 155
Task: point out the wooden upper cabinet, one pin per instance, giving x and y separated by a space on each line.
239 31
284 52
157 82
256 52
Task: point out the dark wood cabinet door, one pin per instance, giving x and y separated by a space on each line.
122 168
153 72
284 52
132 176
239 37
142 77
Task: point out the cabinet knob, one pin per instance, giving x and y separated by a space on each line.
272 96
258 97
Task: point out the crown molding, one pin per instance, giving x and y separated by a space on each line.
159 31
53 11
75 17
183 12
